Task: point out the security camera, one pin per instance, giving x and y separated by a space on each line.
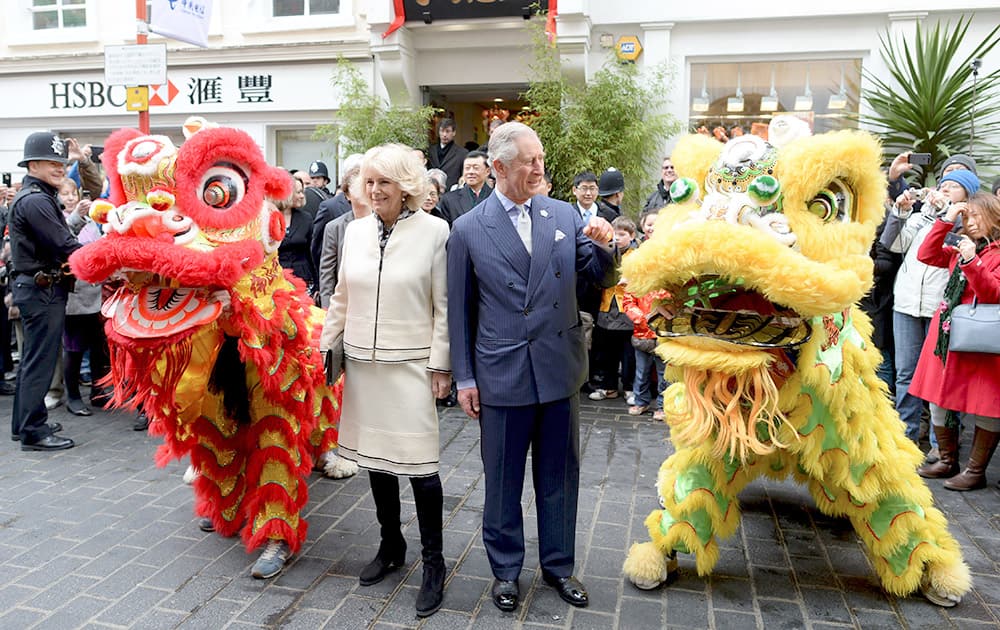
976 64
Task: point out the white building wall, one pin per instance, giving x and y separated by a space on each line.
300 54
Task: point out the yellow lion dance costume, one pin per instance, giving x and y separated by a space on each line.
771 360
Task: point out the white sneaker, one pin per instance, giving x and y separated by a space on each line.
603 394
51 402
272 560
630 398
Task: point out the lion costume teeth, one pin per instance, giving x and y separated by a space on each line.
772 363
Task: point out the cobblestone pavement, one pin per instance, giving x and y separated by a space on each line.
98 537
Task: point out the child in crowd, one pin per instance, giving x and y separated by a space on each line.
648 365
84 327
613 329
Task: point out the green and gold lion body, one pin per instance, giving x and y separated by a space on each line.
765 257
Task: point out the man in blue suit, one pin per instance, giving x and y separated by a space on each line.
518 354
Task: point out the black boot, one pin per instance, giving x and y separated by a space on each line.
427 494
392 549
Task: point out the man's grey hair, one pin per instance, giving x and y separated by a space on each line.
502 143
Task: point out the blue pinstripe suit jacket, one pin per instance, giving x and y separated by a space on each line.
512 318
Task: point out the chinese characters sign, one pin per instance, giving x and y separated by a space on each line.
469 9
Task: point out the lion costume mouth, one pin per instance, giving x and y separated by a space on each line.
718 308
157 310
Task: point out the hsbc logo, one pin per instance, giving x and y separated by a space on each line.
162 95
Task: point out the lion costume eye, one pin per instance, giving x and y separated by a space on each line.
833 203
223 185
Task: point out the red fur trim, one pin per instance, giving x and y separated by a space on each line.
279 530
222 267
209 147
256 503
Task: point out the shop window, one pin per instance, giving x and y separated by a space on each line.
297 148
49 14
287 8
732 98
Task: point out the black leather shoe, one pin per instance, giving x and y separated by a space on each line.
49 443
205 524
141 422
7 389
78 408
570 590
383 564
505 594
55 426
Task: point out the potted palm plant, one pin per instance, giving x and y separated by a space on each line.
935 100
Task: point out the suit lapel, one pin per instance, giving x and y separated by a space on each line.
543 234
505 237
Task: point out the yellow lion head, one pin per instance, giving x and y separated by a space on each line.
766 249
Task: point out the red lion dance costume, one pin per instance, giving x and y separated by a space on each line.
215 341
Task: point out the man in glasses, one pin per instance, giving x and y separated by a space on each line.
661 196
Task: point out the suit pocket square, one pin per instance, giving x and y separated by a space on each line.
560 235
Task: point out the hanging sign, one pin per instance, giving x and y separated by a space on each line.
183 20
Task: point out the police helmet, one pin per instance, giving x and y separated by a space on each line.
318 169
44 145
612 181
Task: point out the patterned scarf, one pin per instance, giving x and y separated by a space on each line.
384 231
952 297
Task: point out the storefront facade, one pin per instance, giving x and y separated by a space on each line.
270 63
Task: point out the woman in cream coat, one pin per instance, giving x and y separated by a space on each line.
388 320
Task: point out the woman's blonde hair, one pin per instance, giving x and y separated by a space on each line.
399 163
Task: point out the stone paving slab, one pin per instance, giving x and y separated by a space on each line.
98 537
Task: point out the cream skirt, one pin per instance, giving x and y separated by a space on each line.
389 420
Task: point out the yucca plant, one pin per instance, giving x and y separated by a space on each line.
928 103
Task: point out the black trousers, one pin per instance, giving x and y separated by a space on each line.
43 312
85 332
552 430
612 354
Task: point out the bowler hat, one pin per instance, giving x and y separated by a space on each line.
44 146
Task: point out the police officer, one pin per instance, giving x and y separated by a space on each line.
317 192
611 190
40 243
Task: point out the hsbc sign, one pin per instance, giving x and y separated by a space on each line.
205 90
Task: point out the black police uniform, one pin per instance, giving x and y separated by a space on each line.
40 243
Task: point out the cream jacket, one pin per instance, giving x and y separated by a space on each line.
392 307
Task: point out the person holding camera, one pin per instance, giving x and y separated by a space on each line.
41 243
964 382
918 287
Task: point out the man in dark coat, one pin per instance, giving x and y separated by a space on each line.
517 355
661 196
40 244
459 201
317 192
445 154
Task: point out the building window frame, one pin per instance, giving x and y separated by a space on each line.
723 77
261 19
20 16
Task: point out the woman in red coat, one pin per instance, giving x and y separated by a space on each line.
966 382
